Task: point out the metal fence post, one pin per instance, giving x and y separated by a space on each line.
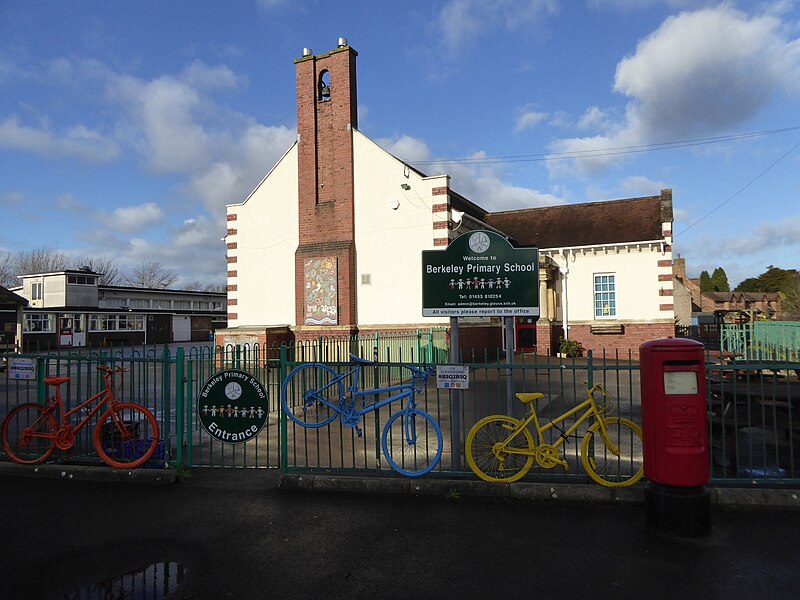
41 389
180 396
589 369
282 429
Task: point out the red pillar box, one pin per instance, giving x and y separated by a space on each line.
675 431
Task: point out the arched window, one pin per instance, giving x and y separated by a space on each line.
324 86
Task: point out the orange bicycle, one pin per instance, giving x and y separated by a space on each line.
125 436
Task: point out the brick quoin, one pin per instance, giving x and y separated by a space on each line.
233 316
439 208
665 263
231 231
438 191
665 277
232 274
232 287
663 292
232 302
231 245
231 217
231 259
325 173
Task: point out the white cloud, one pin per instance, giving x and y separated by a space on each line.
68 203
78 142
638 186
528 120
129 219
482 184
244 158
699 73
632 5
200 75
595 118
464 21
406 148
164 112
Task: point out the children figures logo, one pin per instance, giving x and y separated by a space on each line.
232 406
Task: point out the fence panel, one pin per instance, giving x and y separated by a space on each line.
754 416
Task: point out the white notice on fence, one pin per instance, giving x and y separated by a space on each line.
452 377
21 368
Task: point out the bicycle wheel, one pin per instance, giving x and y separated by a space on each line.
309 394
126 436
616 461
488 455
24 431
412 442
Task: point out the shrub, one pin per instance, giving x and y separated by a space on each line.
570 348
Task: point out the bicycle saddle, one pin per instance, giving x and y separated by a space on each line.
56 380
529 397
359 360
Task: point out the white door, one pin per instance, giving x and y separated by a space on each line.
181 328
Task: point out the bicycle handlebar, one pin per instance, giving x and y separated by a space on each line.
111 369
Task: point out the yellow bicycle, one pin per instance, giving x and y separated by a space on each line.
501 449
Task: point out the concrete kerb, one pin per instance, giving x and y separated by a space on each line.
90 473
720 497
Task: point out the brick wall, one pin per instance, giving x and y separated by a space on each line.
635 334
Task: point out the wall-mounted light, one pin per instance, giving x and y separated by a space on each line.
405 186
456 216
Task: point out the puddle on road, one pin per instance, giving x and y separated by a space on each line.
153 582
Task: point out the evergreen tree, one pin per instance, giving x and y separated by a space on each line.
705 282
719 280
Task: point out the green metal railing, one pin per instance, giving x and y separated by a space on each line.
754 410
762 340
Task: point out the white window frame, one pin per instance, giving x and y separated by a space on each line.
600 296
37 290
46 320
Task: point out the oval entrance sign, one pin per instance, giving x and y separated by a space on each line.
232 406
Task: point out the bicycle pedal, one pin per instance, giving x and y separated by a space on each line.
358 431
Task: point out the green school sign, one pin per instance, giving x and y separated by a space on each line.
480 274
232 406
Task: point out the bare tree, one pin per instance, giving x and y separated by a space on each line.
151 275
106 267
192 286
40 260
8 275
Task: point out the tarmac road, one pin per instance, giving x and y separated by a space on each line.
235 534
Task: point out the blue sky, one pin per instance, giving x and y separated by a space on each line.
126 127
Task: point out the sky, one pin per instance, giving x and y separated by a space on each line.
126 127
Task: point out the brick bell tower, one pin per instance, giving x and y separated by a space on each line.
325 259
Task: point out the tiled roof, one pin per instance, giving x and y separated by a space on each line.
592 224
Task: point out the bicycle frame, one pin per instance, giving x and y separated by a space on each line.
82 423
408 391
589 406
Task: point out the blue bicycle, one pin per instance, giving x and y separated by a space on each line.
313 395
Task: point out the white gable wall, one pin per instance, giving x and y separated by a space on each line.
389 241
266 239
